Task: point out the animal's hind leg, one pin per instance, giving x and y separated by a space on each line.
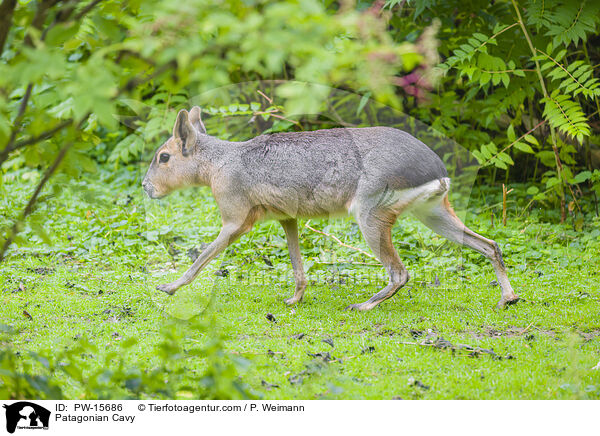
440 218
376 227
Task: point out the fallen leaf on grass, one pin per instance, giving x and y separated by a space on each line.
193 254
328 341
323 355
268 385
43 270
272 353
440 343
224 272
316 366
266 260
20 288
416 333
296 379
417 383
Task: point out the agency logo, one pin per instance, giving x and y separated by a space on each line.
26 415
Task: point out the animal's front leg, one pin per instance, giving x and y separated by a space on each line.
291 232
228 234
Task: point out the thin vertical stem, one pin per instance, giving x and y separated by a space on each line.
559 169
504 205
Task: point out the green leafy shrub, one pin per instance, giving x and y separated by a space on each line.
179 370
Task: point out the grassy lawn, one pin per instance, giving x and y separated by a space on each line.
438 338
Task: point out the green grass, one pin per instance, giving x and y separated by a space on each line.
96 280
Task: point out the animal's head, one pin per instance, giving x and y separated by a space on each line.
173 166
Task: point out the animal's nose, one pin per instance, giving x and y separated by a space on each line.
148 188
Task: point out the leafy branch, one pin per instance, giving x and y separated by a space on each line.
136 81
516 141
579 76
474 44
566 115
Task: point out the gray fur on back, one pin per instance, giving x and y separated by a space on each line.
301 157
320 172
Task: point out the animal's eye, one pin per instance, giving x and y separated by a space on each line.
164 157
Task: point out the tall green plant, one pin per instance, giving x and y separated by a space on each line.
535 76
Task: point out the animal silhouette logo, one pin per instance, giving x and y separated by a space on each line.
26 415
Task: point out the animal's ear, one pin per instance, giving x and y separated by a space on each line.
196 120
184 131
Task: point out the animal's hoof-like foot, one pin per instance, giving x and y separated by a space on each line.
292 300
503 304
167 288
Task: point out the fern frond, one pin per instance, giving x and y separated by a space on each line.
539 12
575 79
566 115
476 43
471 59
572 21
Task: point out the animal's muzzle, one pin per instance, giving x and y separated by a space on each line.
149 188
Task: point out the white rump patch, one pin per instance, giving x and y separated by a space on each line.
405 200
413 198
